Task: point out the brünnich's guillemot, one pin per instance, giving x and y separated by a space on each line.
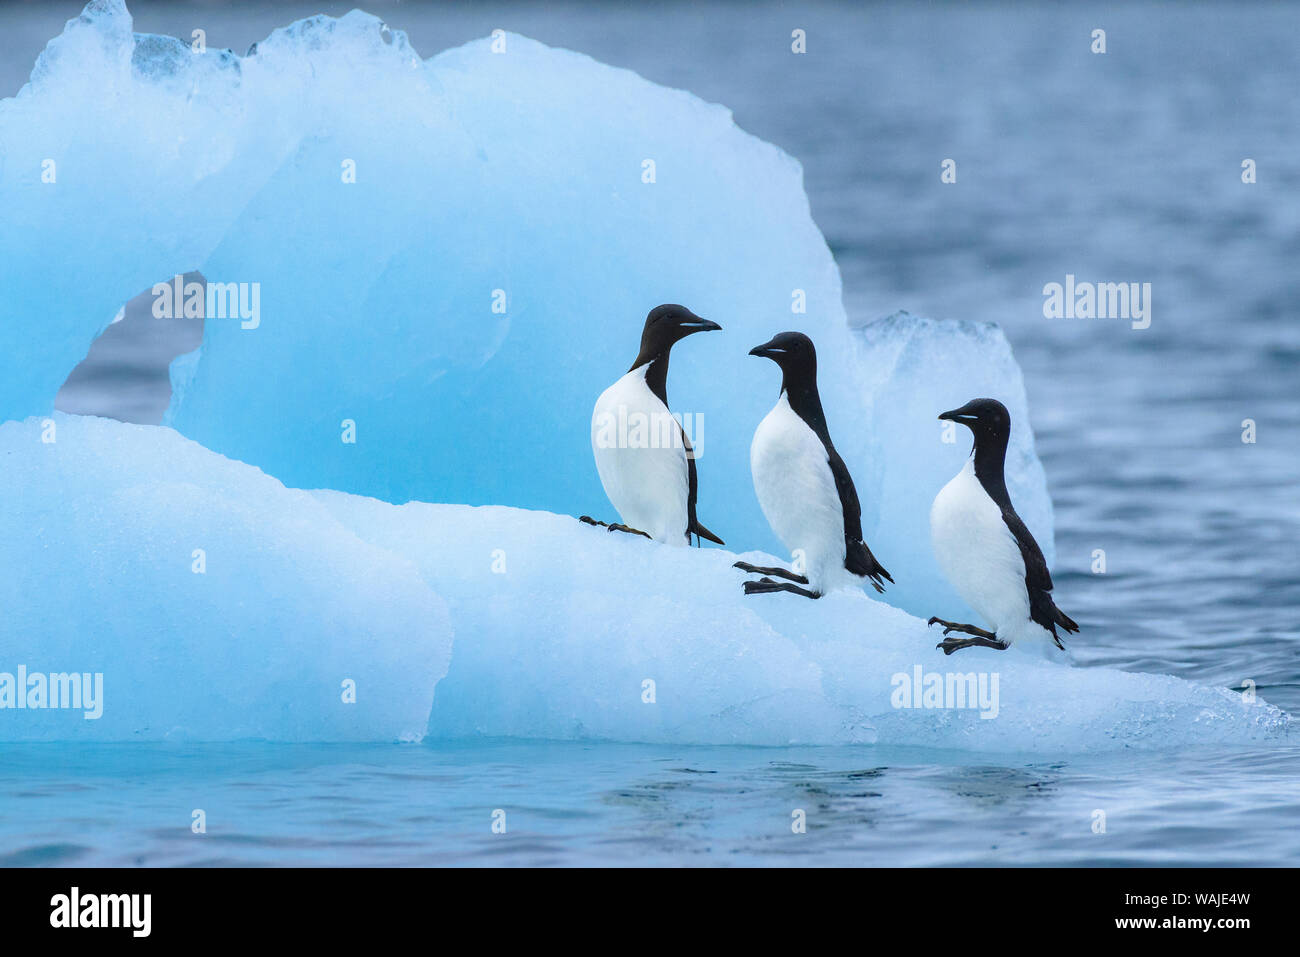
984 548
803 486
650 481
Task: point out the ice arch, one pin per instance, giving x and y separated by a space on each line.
455 255
125 376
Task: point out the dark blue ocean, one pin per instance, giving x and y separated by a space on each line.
1122 166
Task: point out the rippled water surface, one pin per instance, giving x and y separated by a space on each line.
569 803
1122 167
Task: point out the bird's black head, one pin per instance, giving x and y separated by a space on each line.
794 353
988 419
666 325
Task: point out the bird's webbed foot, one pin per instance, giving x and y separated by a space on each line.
612 526
620 527
980 638
766 586
949 626
949 645
763 570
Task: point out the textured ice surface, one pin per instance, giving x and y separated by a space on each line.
909 370
559 626
504 621
97 575
520 171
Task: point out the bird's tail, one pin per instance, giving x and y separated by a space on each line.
703 532
861 562
1065 621
876 574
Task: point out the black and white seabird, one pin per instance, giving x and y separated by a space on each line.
645 460
803 485
984 548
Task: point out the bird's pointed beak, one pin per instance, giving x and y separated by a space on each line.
950 414
959 415
765 351
700 325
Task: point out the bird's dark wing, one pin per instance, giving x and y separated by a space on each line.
1038 580
857 557
693 526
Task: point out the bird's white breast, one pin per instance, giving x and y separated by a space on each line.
978 553
796 490
641 459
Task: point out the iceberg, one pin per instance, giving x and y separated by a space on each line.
459 621
437 266
566 631
452 258
215 603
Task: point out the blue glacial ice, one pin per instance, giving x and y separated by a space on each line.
216 603
477 621
521 171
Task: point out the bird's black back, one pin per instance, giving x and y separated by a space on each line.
990 459
806 403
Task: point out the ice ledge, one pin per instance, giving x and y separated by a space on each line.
469 621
